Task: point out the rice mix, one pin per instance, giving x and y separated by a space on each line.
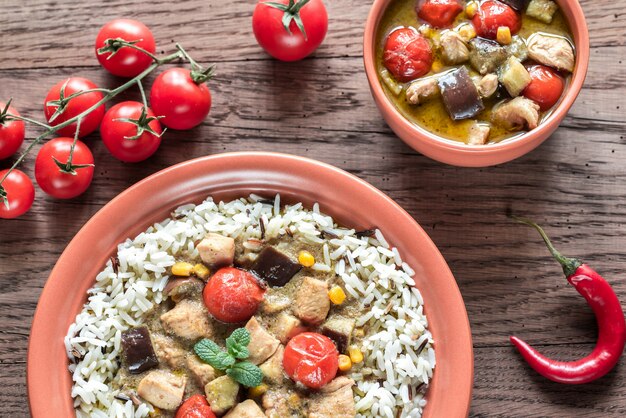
397 347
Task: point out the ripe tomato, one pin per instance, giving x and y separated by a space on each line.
74 106
439 13
493 14
57 183
116 134
232 295
195 406
311 359
12 133
407 54
20 194
126 62
182 101
546 86
290 43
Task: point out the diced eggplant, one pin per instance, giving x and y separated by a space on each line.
275 267
138 351
460 94
518 5
514 76
339 330
178 289
518 48
542 10
486 55
221 394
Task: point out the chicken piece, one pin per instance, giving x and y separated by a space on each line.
162 389
335 400
514 76
488 85
312 302
262 343
246 409
517 112
339 329
421 90
551 50
479 134
280 403
217 250
221 394
202 372
285 327
542 10
168 351
188 320
273 368
274 303
486 55
453 47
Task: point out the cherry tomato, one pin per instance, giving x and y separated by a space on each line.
232 295
75 106
57 183
183 102
116 133
311 359
439 13
195 406
546 86
292 44
12 133
407 54
493 14
127 62
20 193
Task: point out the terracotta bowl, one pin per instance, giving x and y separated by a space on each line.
455 153
350 200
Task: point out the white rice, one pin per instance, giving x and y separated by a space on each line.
372 272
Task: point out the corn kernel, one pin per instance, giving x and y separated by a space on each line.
355 354
504 35
337 295
306 258
182 269
437 66
201 271
345 363
258 391
471 9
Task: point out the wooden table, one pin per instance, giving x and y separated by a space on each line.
321 108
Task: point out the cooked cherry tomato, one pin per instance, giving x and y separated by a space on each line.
546 86
64 184
439 13
12 133
232 295
195 406
311 359
493 14
407 54
75 106
20 194
118 135
127 61
290 43
176 96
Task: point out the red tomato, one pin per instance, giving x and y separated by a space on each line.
439 13
75 106
182 101
20 193
116 133
57 183
195 406
311 359
292 44
232 295
407 54
546 86
127 62
12 133
493 14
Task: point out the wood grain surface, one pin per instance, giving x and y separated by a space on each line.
574 184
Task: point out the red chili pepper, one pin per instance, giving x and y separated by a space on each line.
609 315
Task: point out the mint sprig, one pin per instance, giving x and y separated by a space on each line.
246 373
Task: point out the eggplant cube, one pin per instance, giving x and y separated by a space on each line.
138 351
486 55
514 76
460 95
518 5
542 10
275 267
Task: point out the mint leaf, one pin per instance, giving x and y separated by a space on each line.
211 353
246 373
237 343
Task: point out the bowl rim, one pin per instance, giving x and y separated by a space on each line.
578 24
49 388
